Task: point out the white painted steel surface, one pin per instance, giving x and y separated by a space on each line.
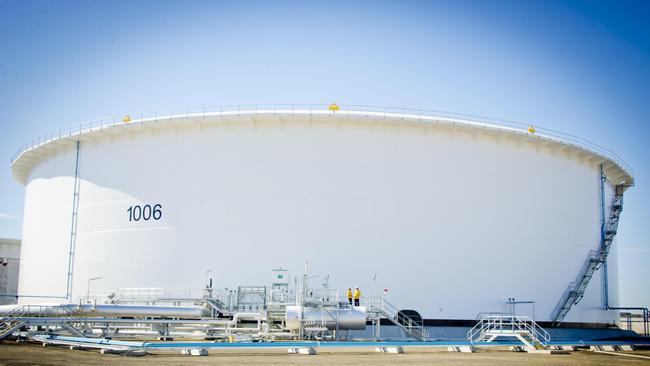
454 217
347 318
9 265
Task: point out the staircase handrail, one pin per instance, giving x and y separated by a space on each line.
513 323
378 304
11 313
40 311
595 259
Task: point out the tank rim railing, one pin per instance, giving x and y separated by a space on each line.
111 121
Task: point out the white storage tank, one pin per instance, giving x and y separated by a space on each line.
9 264
453 216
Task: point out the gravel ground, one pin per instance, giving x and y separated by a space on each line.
35 354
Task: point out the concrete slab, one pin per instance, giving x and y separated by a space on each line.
126 352
195 352
547 352
389 349
302 350
465 349
607 348
564 348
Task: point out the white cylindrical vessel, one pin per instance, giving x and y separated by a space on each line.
453 216
331 318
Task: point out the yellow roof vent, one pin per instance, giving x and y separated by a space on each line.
531 129
126 118
333 107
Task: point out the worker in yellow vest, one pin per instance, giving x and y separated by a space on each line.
349 293
357 296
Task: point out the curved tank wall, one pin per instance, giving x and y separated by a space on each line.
452 220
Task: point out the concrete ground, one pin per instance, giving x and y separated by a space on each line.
35 354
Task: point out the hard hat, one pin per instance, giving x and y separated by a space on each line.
349 288
357 286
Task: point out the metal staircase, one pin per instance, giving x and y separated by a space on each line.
596 258
40 315
11 321
380 308
490 327
215 306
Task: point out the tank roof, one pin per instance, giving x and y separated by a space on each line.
31 153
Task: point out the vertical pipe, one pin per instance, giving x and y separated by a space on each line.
603 180
73 226
605 290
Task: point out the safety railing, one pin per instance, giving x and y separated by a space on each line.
137 295
483 314
372 301
379 305
644 317
596 258
13 313
157 293
507 324
40 311
10 321
51 315
322 294
378 111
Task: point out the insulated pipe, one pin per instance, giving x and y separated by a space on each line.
106 310
332 318
237 316
140 310
116 310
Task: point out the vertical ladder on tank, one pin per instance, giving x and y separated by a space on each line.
73 227
596 258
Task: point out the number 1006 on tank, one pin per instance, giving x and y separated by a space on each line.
146 212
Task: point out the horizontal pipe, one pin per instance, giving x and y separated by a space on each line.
627 308
140 310
107 310
39 296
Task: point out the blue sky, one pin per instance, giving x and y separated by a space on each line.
578 67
